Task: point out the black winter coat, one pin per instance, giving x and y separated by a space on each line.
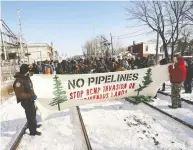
189 75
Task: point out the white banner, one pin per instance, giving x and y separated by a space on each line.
90 88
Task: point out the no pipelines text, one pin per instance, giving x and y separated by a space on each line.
112 78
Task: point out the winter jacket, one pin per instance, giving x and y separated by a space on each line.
47 69
59 69
189 75
35 69
164 61
151 62
178 72
23 87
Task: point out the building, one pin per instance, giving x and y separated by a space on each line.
38 52
144 49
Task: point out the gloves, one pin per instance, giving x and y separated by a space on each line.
34 98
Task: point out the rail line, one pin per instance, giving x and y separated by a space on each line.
18 139
84 129
182 99
89 147
165 113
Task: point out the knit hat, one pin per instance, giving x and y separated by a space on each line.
24 68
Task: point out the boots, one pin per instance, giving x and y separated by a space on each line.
36 133
38 125
170 106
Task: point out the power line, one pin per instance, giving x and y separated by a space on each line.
136 26
136 35
131 32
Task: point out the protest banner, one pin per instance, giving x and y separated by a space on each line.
80 89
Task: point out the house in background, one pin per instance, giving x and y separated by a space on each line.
40 52
144 49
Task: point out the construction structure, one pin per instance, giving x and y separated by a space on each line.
11 52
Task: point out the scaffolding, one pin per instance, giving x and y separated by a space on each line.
11 54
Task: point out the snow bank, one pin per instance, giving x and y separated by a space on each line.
12 121
119 125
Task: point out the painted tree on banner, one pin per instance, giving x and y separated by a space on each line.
60 94
146 82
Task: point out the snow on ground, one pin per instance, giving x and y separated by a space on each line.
185 113
12 120
183 95
61 131
56 134
119 125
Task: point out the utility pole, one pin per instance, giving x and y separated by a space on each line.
21 48
157 43
112 44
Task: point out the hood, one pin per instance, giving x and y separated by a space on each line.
20 76
181 61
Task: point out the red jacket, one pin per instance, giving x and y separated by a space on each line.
178 73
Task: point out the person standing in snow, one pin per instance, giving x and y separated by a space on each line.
47 68
189 77
151 61
24 92
177 73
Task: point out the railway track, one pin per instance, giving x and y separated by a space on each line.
182 99
89 147
165 113
18 139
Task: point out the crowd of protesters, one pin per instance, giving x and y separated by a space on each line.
102 65
92 65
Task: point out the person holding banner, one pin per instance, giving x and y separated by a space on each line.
177 73
24 92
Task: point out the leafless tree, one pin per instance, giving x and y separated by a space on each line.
93 48
164 17
119 50
185 42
